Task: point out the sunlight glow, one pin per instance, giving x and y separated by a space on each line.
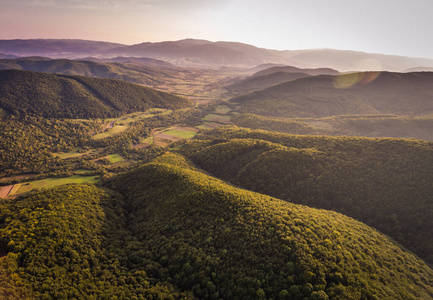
348 80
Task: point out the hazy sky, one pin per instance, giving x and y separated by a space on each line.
403 27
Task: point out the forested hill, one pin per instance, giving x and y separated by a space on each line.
417 127
349 94
273 76
135 70
291 69
224 242
172 232
60 96
385 183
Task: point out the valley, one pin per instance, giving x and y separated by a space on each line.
185 175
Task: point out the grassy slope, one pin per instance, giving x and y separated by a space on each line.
383 182
182 134
360 93
52 182
61 96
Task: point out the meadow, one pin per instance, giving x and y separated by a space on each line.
25 187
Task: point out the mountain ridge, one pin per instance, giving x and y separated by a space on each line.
347 94
203 53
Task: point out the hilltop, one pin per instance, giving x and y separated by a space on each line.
60 96
273 76
385 183
291 69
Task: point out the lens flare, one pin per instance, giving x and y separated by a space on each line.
369 77
347 80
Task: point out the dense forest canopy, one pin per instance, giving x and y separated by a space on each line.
135 70
167 230
385 183
25 93
418 127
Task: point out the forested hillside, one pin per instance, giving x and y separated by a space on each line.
256 83
25 93
26 144
385 183
418 127
129 70
349 94
69 242
170 231
275 75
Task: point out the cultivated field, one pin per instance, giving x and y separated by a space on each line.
52 182
5 190
222 110
115 158
224 119
110 132
184 134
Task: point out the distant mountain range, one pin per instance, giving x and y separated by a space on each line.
54 48
206 54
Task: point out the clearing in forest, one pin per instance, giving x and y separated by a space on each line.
115 158
110 132
184 134
224 119
52 182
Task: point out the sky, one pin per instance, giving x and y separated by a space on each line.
401 27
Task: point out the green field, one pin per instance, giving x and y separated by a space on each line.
122 124
52 182
115 158
147 140
143 115
204 126
110 132
217 118
222 110
83 172
181 134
